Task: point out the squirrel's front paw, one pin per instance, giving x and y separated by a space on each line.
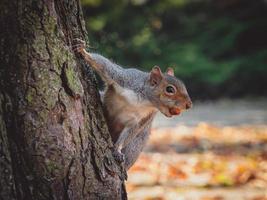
78 45
119 157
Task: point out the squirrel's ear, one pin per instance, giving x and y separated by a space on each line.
155 75
170 71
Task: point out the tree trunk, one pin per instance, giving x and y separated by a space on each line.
54 142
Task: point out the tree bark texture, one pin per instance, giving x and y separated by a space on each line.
54 142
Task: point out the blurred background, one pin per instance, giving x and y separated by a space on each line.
218 149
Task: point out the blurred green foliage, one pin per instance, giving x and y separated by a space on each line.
219 48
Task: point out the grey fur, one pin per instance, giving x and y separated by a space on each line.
137 81
131 100
133 149
134 79
129 78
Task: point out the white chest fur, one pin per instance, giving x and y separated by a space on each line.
130 96
126 106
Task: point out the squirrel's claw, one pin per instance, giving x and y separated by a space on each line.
78 45
119 157
79 41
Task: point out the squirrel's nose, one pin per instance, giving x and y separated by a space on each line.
188 105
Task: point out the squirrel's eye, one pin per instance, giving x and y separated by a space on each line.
170 90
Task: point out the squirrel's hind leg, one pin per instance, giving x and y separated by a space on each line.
134 148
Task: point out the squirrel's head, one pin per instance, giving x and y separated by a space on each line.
168 93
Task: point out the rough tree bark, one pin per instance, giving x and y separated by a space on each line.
54 143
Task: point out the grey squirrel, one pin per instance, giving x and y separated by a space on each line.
131 100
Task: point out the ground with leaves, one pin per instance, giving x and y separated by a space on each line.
202 163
